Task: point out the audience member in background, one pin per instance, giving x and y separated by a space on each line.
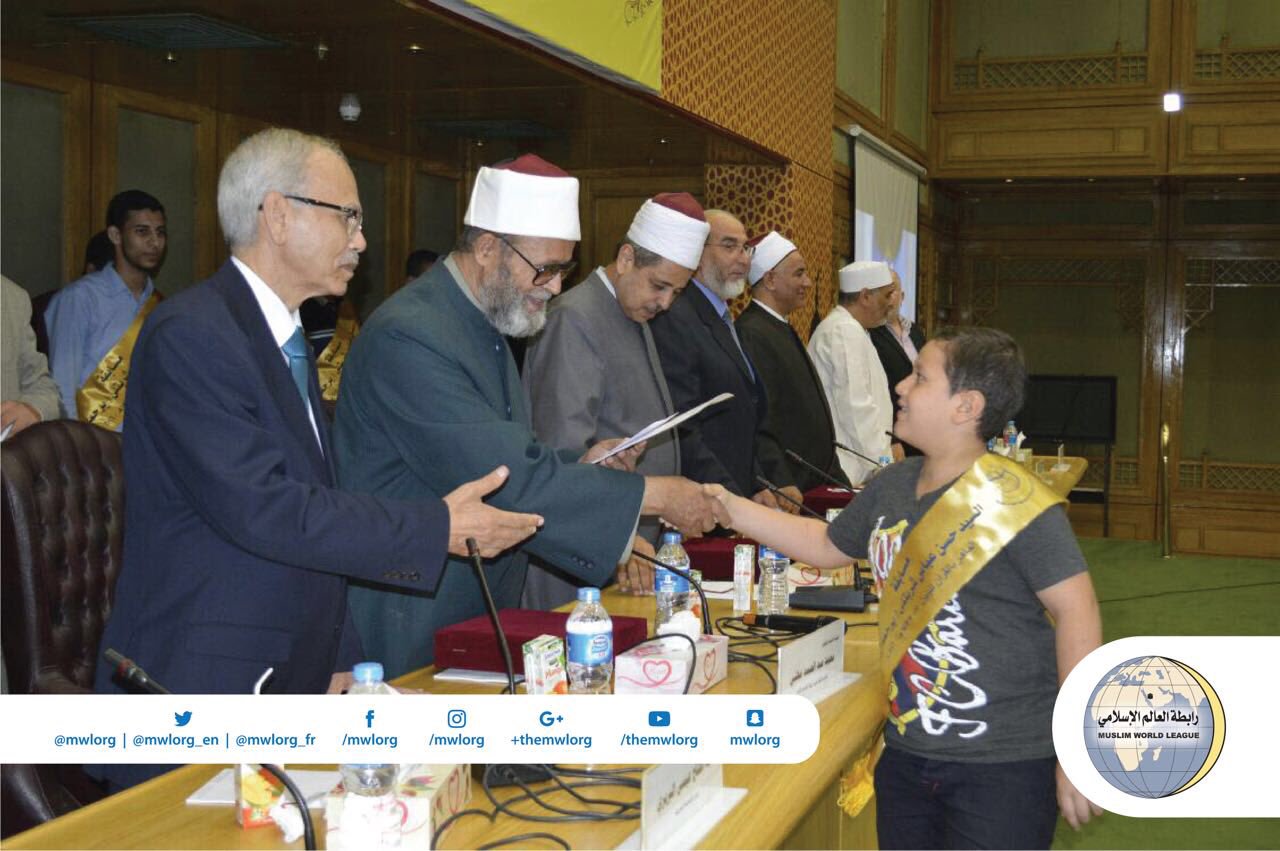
431 394
239 547
898 343
798 418
701 358
978 568
28 392
94 322
419 263
593 373
98 252
850 369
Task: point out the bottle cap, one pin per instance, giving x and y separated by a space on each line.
367 672
588 595
670 537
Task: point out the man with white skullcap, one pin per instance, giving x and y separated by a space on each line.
850 369
702 358
798 418
430 392
593 373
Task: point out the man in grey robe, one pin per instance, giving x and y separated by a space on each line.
594 373
430 393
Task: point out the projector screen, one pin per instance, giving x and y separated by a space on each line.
885 205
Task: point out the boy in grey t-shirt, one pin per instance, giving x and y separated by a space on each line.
969 758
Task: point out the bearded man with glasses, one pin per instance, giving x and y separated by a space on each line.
702 357
431 392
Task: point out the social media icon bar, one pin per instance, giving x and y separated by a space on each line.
457 718
181 719
659 718
755 717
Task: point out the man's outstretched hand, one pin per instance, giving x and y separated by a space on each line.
495 530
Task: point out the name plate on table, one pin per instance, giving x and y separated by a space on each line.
813 666
679 804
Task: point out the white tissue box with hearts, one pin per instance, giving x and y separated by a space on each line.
663 667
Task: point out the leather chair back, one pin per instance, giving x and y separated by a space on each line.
63 542
63 485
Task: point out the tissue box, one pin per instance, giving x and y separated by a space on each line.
426 795
804 576
257 791
653 669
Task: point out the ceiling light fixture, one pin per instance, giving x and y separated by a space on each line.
349 107
415 48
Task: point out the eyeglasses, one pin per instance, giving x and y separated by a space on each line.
733 246
354 218
546 273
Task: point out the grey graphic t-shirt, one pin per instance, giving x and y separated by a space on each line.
979 683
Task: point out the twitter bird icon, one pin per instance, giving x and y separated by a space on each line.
182 718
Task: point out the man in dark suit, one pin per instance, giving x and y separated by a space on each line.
798 418
898 343
239 547
702 358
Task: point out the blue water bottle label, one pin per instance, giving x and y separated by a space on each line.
590 648
669 580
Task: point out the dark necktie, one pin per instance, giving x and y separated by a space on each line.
295 348
733 332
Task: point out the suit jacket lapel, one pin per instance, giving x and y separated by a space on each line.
719 331
244 308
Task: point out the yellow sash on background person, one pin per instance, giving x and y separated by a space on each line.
100 401
974 520
329 363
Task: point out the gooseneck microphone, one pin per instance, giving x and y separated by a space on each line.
867 458
814 468
697 586
777 491
130 673
473 550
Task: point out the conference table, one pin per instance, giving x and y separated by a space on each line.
785 806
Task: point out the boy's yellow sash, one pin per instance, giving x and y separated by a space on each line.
101 400
969 524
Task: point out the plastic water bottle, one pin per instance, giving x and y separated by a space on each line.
370 815
670 589
773 581
1010 436
590 634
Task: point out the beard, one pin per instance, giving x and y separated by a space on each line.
504 306
728 290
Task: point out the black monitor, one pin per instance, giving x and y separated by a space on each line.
1070 407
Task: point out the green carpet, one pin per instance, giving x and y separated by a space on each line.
1143 594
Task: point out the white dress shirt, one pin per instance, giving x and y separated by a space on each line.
856 387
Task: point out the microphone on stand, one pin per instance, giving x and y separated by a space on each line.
776 491
813 467
473 550
866 458
131 674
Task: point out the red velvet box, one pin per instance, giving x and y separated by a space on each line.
713 556
824 497
472 645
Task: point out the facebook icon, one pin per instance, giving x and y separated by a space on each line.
368 718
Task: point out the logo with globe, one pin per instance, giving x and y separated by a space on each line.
1154 727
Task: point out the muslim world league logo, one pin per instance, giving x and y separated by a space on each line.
1154 727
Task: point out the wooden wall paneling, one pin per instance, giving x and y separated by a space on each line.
1227 191
395 221
1133 521
1176 321
1095 142
1212 138
79 221
1235 532
1067 192
951 97
1184 60
108 100
609 200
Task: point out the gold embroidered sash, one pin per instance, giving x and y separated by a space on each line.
101 400
969 524
329 363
